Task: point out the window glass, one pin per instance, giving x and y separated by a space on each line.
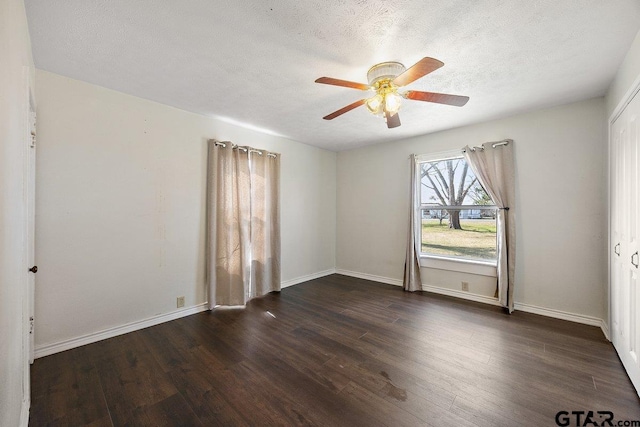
458 216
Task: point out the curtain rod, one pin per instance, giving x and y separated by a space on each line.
503 142
245 149
494 144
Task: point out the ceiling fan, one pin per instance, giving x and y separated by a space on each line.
385 79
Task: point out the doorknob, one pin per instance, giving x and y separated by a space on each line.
34 269
616 249
636 257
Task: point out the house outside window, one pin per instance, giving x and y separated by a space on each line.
458 217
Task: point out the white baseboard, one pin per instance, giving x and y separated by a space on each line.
558 314
605 330
24 413
381 279
548 312
461 294
47 349
306 278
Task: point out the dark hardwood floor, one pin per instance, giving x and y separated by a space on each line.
338 351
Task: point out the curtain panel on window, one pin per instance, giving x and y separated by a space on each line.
243 223
412 280
493 165
265 223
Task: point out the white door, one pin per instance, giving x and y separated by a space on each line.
625 297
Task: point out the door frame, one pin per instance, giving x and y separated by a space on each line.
29 109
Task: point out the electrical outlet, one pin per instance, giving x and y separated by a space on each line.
180 302
465 286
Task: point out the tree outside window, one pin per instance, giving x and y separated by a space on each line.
458 216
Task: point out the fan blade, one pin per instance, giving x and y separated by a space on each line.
344 110
440 98
419 69
345 83
392 121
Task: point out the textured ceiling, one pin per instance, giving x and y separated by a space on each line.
255 62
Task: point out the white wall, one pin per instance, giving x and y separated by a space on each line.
15 53
120 206
560 180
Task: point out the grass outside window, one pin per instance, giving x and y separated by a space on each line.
476 240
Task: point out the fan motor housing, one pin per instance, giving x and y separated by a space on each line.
384 71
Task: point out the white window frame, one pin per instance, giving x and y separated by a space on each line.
462 265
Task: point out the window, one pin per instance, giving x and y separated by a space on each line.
458 216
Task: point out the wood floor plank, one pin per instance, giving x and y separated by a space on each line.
207 401
338 351
68 391
387 413
167 344
132 380
290 411
173 411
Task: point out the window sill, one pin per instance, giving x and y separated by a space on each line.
482 268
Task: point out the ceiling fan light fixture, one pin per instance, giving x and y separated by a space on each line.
392 102
386 100
374 104
385 79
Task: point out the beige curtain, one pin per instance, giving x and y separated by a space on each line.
265 224
412 280
493 165
243 224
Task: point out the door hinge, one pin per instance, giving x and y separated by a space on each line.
31 325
